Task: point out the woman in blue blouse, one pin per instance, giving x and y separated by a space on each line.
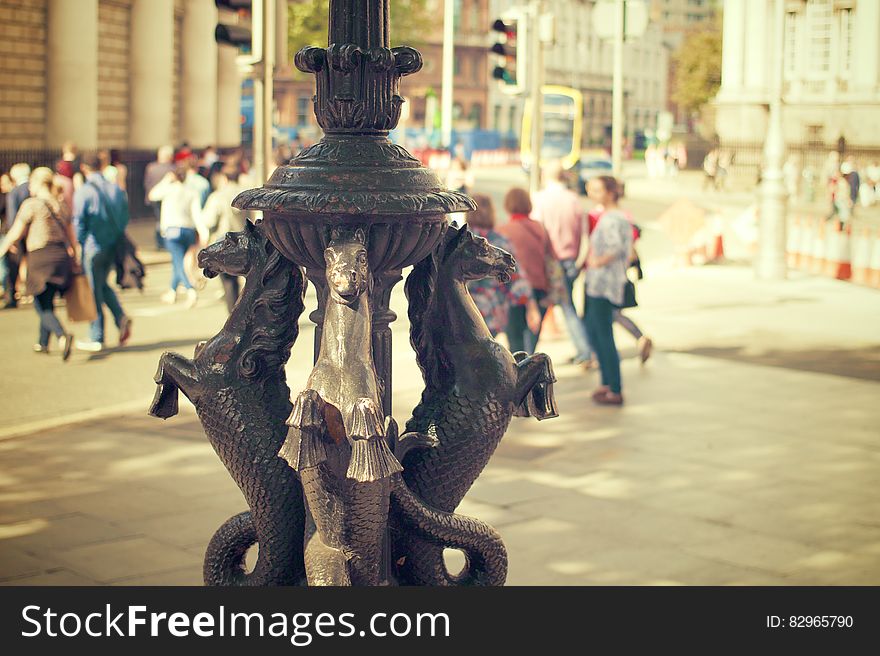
607 262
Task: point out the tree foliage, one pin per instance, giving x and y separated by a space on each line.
697 66
307 23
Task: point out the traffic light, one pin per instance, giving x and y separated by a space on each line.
246 34
508 53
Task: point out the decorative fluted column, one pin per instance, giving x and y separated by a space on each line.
198 112
72 55
152 73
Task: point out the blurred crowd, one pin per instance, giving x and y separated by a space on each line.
67 225
556 241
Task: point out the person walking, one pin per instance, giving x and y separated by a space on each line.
560 211
178 223
43 222
100 215
531 248
492 297
220 217
154 174
607 261
20 175
644 343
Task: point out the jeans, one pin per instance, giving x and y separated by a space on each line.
573 323
11 263
519 336
178 246
627 324
599 313
97 263
44 305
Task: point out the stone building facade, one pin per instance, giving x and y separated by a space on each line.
831 55
580 59
126 74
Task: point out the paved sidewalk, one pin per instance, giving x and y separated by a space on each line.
728 467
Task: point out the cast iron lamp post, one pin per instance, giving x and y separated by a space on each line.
366 506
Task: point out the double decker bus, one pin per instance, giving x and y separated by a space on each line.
562 125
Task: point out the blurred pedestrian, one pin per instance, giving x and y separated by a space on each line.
607 261
791 174
70 154
494 298
179 222
560 211
43 222
849 170
100 215
219 217
710 169
12 259
154 173
532 249
644 343
113 169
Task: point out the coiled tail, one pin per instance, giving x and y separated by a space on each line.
426 532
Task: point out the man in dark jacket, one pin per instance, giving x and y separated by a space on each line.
20 193
100 215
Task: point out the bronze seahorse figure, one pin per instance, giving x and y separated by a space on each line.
473 386
237 383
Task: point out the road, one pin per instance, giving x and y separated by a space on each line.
688 313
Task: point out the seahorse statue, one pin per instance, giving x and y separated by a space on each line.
473 386
338 443
237 383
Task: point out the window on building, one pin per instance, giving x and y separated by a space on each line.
457 111
819 18
302 110
511 120
496 117
814 134
476 115
456 21
456 65
846 38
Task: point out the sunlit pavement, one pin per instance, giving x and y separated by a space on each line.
747 451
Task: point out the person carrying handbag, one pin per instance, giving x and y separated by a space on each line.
535 256
43 222
606 282
100 216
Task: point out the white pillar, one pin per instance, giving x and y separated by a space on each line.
866 47
198 112
734 47
228 98
757 48
152 73
72 37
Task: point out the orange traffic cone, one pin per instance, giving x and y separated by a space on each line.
818 263
793 244
832 237
808 235
874 266
841 264
861 259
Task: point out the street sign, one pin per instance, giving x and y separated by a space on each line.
636 18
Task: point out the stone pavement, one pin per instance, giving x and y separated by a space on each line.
757 462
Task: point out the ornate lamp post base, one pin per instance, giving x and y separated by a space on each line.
365 505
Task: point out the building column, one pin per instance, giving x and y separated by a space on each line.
198 112
72 73
866 48
759 14
733 50
152 73
228 114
